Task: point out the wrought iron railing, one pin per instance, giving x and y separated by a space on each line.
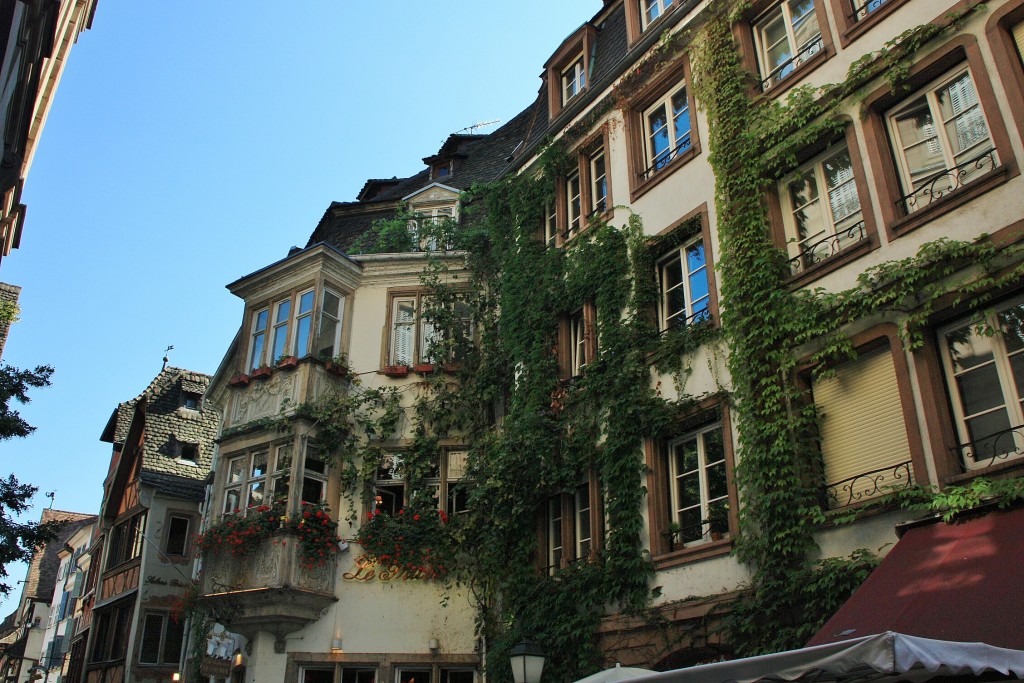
868 485
665 158
782 70
813 254
701 316
691 533
863 9
942 183
984 452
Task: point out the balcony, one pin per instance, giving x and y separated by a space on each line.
868 485
269 588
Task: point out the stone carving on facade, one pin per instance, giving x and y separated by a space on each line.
263 399
267 569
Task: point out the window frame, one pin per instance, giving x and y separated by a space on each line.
574 83
660 90
666 320
575 49
559 525
1002 363
782 9
573 209
710 413
264 340
442 482
186 538
850 26
644 7
419 355
958 51
127 540
243 486
166 624
578 343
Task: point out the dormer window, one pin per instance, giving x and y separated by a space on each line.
650 10
442 170
574 79
190 400
566 73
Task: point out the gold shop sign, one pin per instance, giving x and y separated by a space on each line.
368 569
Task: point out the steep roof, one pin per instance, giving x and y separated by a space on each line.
42 569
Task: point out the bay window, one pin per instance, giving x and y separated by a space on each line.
940 139
308 321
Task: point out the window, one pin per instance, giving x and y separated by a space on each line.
651 10
570 522
325 674
865 448
574 79
162 639
328 338
666 130
573 204
126 540
598 184
314 476
422 332
785 37
259 338
247 484
550 224
186 451
683 285
176 541
445 482
821 209
984 366
863 8
299 327
698 486
191 400
433 228
111 626
578 343
940 140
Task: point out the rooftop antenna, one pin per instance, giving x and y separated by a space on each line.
472 129
166 351
51 495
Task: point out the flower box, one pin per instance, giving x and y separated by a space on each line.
396 370
262 373
451 368
288 363
424 368
239 380
337 369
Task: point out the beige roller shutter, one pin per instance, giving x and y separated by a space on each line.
1018 37
861 420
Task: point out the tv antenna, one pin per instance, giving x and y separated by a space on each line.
472 129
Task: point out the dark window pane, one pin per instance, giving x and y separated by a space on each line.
177 535
149 651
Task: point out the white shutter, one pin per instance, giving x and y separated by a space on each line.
861 418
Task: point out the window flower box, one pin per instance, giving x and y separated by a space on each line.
451 368
287 362
239 380
424 368
396 370
335 368
263 373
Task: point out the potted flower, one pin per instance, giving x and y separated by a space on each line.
337 365
424 368
239 380
263 372
287 362
396 370
718 521
671 532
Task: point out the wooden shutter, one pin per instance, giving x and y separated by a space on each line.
861 418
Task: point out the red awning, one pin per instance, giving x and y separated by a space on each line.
958 582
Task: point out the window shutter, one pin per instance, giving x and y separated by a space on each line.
1018 37
861 418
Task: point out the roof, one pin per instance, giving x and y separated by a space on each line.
959 582
42 569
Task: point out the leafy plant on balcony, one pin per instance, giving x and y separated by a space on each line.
416 540
240 536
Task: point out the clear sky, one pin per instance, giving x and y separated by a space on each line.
194 141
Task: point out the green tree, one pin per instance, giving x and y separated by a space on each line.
19 540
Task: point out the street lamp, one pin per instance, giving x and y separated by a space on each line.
527 660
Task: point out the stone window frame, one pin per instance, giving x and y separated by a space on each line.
564 508
695 224
557 228
850 27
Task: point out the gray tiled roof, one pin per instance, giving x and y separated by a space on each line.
42 569
169 425
174 486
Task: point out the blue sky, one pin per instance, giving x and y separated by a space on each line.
194 141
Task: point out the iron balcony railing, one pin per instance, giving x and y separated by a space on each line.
697 317
942 183
863 9
780 72
665 158
984 452
868 485
813 254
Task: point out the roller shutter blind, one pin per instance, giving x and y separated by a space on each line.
1018 37
860 418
